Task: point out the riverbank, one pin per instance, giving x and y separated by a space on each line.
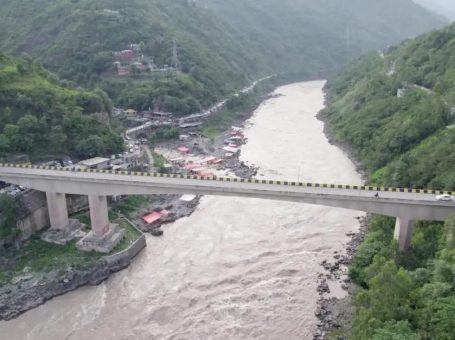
40 271
345 147
335 313
338 313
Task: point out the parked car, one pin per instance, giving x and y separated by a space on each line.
444 197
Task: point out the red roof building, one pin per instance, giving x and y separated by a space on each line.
183 149
155 216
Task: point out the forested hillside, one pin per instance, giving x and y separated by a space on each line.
397 111
41 116
77 39
220 45
317 37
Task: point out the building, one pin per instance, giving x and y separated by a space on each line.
123 70
99 163
125 55
141 67
131 113
183 149
231 149
159 114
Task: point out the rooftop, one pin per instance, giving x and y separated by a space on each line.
94 161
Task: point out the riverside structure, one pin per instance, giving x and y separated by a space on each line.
407 205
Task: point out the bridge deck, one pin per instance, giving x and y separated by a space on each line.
25 170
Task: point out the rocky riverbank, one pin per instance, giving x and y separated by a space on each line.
334 313
347 149
32 288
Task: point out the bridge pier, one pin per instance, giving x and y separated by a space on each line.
62 228
104 236
99 215
58 211
404 228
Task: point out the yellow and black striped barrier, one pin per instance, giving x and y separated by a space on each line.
231 179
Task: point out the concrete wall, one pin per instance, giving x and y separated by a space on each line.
33 222
128 254
34 215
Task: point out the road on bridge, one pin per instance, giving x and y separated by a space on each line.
212 185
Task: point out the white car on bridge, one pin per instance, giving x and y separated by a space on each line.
444 197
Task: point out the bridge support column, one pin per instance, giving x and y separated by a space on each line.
62 228
404 228
58 211
99 215
104 236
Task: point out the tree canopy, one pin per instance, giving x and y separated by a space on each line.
41 116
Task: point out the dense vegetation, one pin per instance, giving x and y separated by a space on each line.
397 111
77 39
41 116
221 44
8 217
405 295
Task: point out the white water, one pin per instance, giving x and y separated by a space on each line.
237 268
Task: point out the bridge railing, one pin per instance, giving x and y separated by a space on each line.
231 179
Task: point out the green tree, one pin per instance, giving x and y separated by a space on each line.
393 330
449 226
57 140
4 145
90 147
12 133
8 217
388 298
443 321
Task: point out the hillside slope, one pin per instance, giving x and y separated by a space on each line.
41 116
77 39
397 110
320 36
221 45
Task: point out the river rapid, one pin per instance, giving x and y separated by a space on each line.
237 268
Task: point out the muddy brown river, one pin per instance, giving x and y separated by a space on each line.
237 268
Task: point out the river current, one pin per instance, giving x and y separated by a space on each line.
237 268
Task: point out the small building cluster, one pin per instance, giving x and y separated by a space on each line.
132 61
188 158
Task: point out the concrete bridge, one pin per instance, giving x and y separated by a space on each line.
407 205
